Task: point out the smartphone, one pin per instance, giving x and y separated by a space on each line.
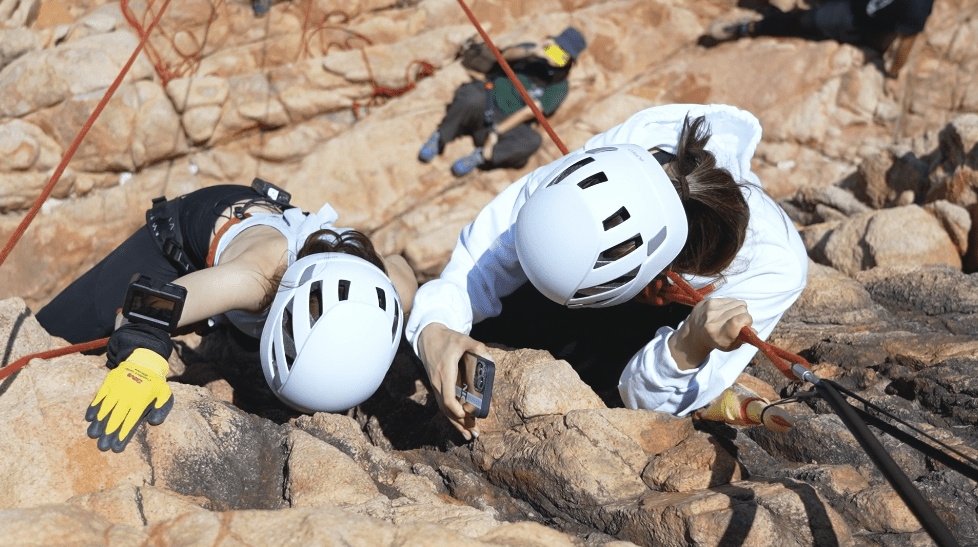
474 384
153 302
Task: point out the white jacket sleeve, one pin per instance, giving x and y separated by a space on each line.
483 267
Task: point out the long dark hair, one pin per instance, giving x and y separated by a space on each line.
349 242
716 211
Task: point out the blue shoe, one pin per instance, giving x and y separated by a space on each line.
465 165
431 148
261 7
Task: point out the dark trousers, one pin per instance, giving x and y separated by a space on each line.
87 308
466 115
597 342
838 20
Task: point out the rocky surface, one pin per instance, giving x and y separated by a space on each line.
877 173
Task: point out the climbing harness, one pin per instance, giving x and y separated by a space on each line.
163 221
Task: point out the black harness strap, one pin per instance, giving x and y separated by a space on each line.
163 221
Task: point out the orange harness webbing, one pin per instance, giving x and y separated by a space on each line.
217 237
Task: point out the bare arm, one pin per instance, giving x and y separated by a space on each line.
403 278
241 279
220 289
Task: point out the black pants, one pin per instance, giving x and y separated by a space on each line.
597 342
838 20
87 308
466 115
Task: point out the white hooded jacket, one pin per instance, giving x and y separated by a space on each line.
768 273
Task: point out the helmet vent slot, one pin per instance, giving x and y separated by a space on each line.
592 291
621 215
618 251
290 351
315 302
343 290
381 299
609 286
566 172
395 326
593 180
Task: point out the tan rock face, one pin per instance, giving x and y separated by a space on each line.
259 95
696 463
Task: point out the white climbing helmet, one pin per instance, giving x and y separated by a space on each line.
331 333
604 224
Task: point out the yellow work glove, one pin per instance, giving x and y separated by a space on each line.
133 391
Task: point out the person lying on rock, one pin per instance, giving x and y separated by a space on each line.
492 109
888 26
668 189
326 306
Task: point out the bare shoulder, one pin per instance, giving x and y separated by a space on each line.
261 248
403 278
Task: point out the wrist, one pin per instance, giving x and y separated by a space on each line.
424 340
686 350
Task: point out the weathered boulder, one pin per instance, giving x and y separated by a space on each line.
877 238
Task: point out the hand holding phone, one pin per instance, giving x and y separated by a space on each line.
474 384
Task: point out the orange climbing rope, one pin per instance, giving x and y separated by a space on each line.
661 292
22 227
380 91
189 60
516 82
76 348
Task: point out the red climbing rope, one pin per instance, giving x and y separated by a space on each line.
380 91
515 80
188 59
19 363
74 145
661 292
19 232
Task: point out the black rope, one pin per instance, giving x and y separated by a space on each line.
922 447
963 467
915 501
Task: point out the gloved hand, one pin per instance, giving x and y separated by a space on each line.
133 391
